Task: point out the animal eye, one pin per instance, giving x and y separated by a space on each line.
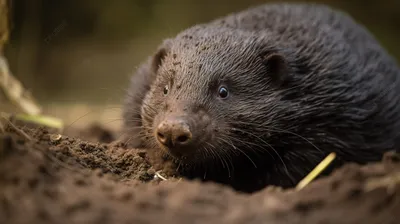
166 89
223 92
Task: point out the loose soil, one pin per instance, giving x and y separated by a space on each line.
49 178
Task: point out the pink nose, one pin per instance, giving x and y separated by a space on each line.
174 132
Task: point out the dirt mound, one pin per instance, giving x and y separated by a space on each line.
47 178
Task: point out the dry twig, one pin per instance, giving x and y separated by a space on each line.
14 90
21 132
316 171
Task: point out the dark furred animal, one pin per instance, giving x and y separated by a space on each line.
262 96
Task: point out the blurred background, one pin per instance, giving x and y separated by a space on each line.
76 56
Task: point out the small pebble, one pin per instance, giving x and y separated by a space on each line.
151 172
55 138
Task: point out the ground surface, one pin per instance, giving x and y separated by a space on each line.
45 178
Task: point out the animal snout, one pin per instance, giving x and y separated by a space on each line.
174 132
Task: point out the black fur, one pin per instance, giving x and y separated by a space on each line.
304 80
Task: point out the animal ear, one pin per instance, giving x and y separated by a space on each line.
277 67
160 55
158 58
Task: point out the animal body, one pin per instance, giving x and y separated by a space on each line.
260 97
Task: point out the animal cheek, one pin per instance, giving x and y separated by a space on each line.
239 116
166 106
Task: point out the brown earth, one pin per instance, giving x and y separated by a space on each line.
47 178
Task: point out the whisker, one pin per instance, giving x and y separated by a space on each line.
277 130
241 151
269 145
